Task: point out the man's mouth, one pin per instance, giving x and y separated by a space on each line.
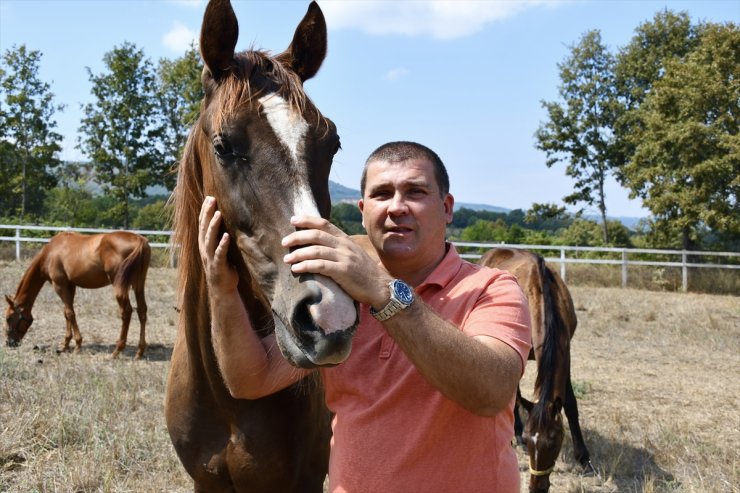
399 230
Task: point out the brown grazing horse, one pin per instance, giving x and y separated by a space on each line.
553 324
71 260
264 151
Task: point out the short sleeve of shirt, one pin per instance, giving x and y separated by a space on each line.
502 312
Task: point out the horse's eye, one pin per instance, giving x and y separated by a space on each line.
221 147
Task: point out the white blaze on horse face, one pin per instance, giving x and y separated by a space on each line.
336 310
288 125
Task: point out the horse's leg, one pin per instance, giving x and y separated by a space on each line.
518 424
66 293
579 445
124 305
141 309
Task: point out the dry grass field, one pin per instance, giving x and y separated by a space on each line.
657 374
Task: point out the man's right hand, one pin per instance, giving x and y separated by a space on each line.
220 275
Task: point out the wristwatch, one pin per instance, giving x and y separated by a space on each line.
401 297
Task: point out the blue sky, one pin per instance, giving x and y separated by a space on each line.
465 78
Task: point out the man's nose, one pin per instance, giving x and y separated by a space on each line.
398 204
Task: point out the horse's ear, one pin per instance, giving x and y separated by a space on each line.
218 37
307 50
9 299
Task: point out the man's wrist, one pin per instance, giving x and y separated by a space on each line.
401 297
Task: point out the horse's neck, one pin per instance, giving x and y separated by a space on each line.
32 282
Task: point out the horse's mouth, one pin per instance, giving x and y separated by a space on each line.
13 342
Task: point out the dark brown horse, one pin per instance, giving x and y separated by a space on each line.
72 260
553 324
264 151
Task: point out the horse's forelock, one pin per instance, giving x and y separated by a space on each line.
238 89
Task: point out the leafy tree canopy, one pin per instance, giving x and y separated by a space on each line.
29 146
686 160
120 132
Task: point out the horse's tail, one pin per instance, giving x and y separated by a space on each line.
134 268
553 357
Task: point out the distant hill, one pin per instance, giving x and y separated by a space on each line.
340 193
481 207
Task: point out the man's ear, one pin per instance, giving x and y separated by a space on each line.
361 206
449 203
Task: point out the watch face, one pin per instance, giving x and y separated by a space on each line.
403 292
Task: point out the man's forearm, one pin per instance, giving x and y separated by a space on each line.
251 367
480 376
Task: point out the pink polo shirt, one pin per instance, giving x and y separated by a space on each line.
393 431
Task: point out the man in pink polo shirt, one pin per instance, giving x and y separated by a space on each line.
424 403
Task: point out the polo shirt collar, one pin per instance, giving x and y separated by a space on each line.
446 270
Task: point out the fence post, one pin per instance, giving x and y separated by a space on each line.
684 272
562 263
17 244
624 268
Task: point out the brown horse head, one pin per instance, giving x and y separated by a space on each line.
543 436
264 151
18 320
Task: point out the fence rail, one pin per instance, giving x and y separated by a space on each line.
470 250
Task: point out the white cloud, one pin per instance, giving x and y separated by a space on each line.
179 38
396 73
441 19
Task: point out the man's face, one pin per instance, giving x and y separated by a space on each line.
403 212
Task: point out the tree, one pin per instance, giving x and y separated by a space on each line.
179 95
547 216
28 143
119 131
348 218
641 63
155 216
584 232
579 129
686 160
71 202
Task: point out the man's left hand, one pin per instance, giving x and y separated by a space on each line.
322 248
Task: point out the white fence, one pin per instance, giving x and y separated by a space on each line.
563 260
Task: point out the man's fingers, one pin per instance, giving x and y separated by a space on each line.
219 256
311 252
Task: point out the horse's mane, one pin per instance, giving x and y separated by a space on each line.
553 351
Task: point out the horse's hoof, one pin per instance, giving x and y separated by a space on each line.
589 470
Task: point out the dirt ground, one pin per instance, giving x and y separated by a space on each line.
657 374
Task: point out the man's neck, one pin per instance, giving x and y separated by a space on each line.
414 271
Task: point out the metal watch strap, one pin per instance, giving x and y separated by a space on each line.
388 310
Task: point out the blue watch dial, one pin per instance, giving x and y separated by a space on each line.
403 292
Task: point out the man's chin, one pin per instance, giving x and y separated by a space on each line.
399 245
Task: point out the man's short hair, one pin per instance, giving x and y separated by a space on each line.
396 152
